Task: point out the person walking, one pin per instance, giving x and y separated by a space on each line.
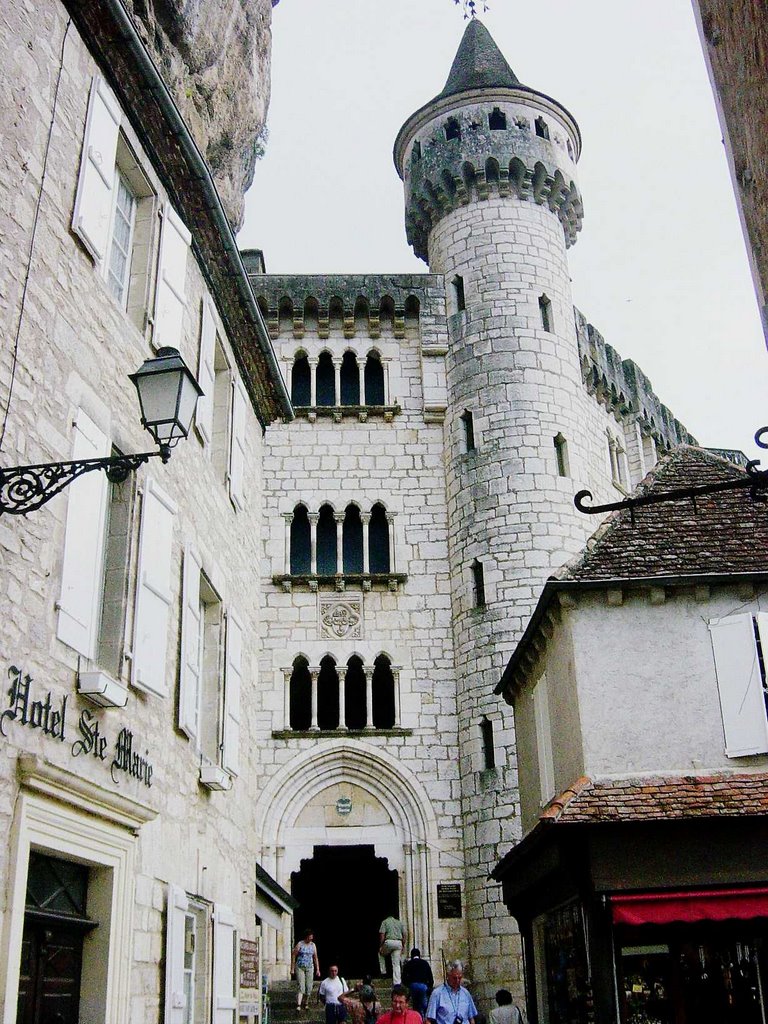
451 1003
305 965
400 1012
417 978
505 1012
391 941
330 992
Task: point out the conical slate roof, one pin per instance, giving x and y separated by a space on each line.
478 64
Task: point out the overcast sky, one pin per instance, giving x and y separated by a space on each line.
659 267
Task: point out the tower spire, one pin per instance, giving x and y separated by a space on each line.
479 64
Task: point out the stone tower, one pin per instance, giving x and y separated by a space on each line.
489 169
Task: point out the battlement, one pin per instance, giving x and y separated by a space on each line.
624 389
346 304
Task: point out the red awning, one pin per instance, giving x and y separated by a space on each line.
668 907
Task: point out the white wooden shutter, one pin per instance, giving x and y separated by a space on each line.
191 646
170 298
742 702
95 186
544 740
233 678
175 1000
206 372
82 573
237 445
224 966
153 591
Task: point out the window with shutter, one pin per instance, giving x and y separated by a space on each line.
170 298
232 685
83 565
737 644
544 740
206 372
153 591
175 996
224 966
237 446
190 666
94 199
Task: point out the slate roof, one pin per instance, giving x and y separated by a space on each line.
645 799
726 532
478 64
659 798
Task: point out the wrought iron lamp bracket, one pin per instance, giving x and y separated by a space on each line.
27 488
756 480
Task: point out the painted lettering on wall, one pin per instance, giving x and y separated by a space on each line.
49 715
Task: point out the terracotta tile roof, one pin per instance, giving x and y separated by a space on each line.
659 798
725 532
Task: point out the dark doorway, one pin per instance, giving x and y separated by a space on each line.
344 893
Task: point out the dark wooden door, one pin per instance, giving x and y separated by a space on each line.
49 979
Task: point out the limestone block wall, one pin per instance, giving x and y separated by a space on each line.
398 461
75 347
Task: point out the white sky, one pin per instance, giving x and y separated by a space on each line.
659 268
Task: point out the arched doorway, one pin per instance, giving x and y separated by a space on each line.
344 893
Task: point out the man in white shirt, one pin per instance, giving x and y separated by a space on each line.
331 990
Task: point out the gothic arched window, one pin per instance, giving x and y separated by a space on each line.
300 696
325 383
383 711
301 541
301 388
328 694
326 542
352 540
378 541
374 380
354 694
350 380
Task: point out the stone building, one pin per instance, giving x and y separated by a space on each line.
413 510
639 697
126 638
296 625
734 39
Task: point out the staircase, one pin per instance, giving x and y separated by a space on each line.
282 1004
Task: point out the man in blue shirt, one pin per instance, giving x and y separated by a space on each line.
451 1003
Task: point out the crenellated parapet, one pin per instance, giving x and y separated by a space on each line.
624 389
513 143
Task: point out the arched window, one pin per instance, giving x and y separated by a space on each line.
301 542
352 540
383 694
350 380
374 380
301 388
354 694
326 542
378 540
328 694
300 696
325 385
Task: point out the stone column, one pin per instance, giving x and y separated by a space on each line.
396 683
288 517
287 673
387 391
368 669
339 517
366 519
361 373
426 928
392 553
312 382
313 518
343 700
314 673
337 381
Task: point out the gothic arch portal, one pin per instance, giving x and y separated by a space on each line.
401 825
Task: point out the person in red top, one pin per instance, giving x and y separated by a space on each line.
400 1012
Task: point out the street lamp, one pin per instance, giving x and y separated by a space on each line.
168 394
